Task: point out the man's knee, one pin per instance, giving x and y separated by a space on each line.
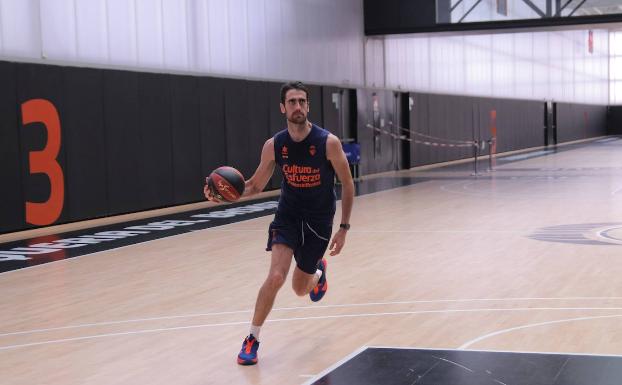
276 280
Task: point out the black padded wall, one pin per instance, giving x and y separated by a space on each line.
614 120
237 118
186 139
277 123
520 125
12 214
419 124
259 123
580 121
155 171
123 141
83 125
40 82
212 124
450 119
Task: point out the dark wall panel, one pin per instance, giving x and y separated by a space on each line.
212 124
83 124
188 177
40 82
123 141
237 118
277 123
451 118
259 122
463 118
12 214
419 124
596 120
614 120
579 121
520 125
154 120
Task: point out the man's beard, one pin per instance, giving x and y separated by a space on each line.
298 118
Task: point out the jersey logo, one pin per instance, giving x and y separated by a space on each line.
301 176
312 150
284 152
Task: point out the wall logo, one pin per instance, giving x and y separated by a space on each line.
582 233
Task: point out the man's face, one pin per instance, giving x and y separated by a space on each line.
296 106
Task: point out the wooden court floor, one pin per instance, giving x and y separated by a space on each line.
526 258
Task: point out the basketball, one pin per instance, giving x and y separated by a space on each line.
226 183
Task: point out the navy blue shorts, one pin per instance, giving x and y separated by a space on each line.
308 239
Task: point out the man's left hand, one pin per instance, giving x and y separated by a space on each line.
339 239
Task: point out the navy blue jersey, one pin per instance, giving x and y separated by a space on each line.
308 187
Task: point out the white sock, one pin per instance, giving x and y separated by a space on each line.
255 331
319 272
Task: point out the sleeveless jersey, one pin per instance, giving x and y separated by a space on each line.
308 187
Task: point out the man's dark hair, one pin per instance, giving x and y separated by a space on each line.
293 86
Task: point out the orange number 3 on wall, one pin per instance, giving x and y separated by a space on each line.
44 161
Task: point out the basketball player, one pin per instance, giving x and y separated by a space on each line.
308 157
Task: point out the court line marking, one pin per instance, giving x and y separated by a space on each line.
434 301
446 311
336 365
495 351
508 330
454 363
396 231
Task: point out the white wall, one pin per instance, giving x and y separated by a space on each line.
310 40
615 67
553 65
318 41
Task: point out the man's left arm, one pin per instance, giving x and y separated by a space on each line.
335 154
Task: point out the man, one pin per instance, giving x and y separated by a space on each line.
309 157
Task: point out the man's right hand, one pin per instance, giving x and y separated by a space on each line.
208 194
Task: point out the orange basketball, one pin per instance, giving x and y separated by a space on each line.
226 183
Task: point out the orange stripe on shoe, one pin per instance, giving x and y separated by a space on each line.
249 345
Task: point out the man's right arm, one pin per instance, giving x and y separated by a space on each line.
264 171
260 178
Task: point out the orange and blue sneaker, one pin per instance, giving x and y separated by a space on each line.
322 285
248 353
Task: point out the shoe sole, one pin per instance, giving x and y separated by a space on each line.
247 362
